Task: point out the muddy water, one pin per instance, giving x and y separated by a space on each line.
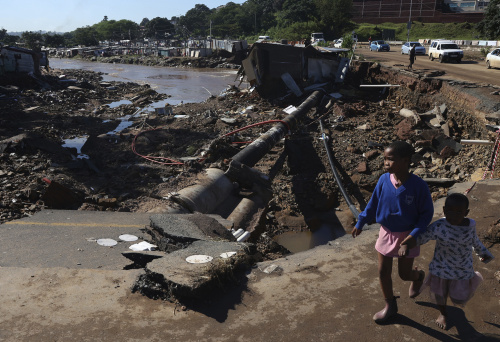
183 85
301 241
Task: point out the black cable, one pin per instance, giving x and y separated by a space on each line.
331 158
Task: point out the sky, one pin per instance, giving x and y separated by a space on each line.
68 15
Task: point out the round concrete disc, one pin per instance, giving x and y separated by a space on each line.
227 255
128 237
107 242
199 259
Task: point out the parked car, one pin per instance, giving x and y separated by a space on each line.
493 59
445 50
317 37
419 48
263 38
338 43
379 45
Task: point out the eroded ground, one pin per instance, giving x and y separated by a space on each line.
43 114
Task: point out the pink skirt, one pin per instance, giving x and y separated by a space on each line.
459 291
388 243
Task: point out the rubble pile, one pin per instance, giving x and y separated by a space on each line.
39 116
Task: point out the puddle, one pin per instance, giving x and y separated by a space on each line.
119 103
77 143
161 104
126 122
302 241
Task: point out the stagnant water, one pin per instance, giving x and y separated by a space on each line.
183 85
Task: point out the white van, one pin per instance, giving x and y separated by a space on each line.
445 50
263 38
317 37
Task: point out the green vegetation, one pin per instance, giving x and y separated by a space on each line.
291 20
419 30
490 25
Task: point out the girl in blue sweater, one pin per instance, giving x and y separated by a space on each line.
402 204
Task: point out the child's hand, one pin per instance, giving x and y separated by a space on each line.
355 232
403 250
485 259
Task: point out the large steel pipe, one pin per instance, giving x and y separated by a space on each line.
262 145
216 186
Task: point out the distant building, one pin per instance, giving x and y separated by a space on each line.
429 11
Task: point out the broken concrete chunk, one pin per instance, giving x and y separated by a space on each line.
364 127
408 113
371 154
362 167
230 121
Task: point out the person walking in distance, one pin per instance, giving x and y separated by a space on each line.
412 57
450 272
402 204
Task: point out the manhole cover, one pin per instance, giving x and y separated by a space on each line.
107 242
128 237
199 259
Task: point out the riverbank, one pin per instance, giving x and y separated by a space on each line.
221 59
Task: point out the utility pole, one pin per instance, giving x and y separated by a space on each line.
408 26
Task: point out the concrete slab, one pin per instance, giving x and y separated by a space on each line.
186 279
190 226
67 238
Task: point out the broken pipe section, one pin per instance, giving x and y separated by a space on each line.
216 186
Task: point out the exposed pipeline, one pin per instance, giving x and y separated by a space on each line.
262 145
216 186
331 158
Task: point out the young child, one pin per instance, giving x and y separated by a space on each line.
402 204
451 273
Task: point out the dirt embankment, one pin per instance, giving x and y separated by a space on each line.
36 122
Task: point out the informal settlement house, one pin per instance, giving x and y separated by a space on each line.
19 60
275 68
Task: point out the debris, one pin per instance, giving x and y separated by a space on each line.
272 269
290 109
227 255
290 83
143 246
408 113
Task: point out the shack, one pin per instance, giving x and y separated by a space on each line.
19 60
275 69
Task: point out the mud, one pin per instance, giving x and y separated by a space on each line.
38 115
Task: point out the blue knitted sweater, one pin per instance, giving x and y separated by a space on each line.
408 207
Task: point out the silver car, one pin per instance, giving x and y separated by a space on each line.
419 49
493 59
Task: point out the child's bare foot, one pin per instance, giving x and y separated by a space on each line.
441 322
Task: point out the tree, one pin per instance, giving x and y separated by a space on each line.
7 39
33 40
197 20
54 40
86 36
158 28
490 25
334 15
261 13
225 21
144 22
294 11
